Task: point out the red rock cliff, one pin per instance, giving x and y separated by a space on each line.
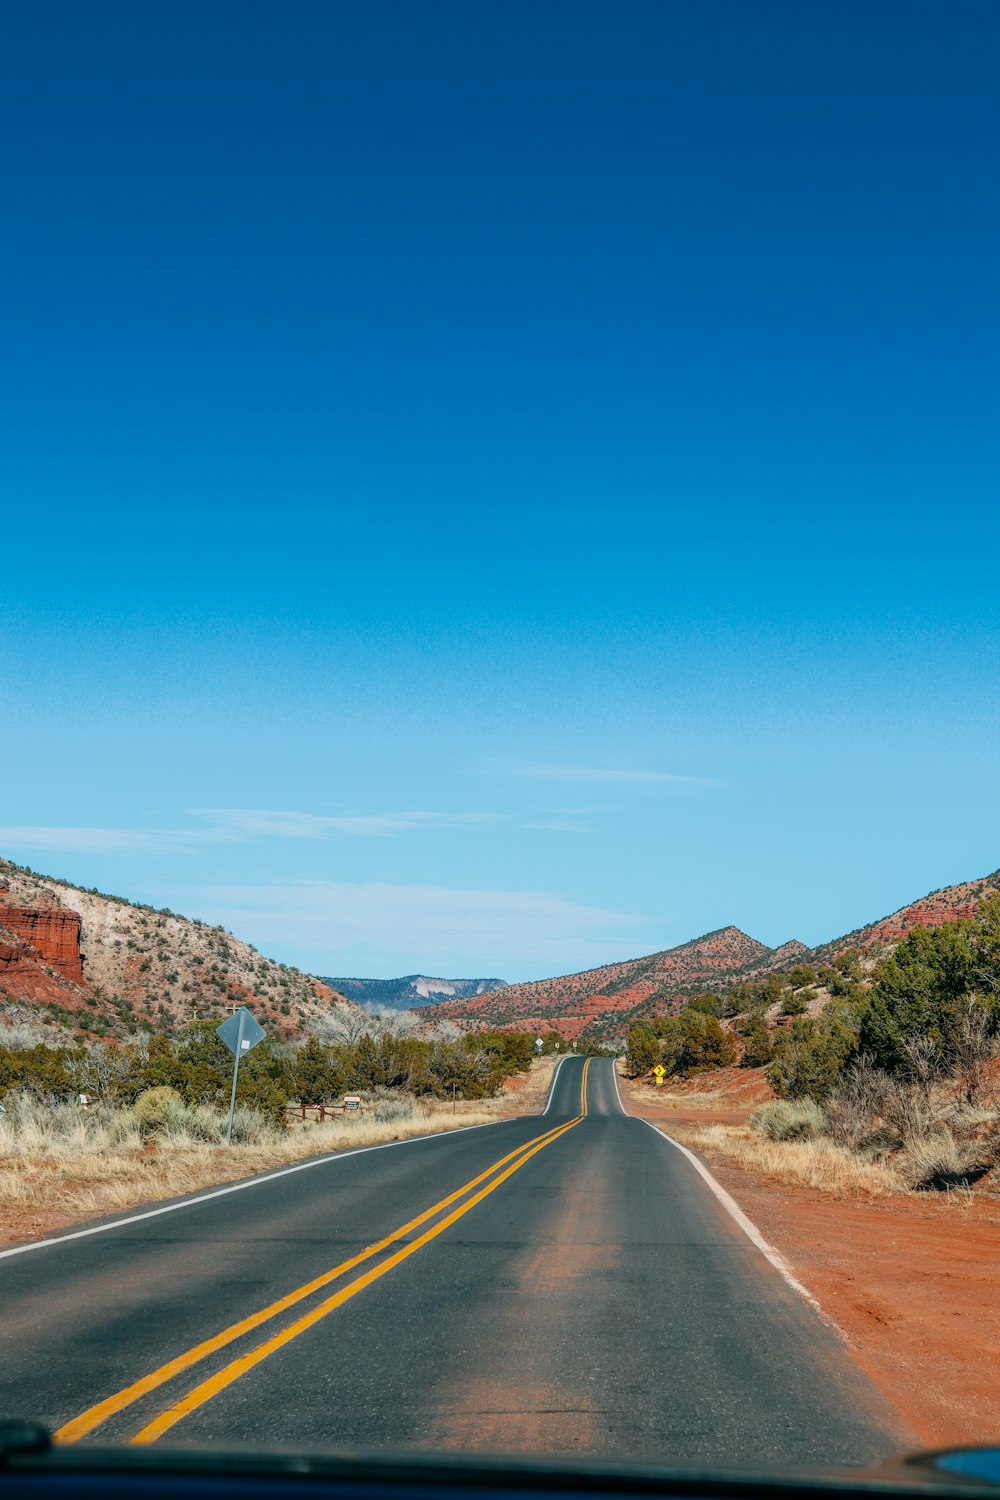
53 932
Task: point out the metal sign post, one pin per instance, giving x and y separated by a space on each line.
240 1032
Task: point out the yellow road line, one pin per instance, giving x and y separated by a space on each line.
583 1088
80 1426
238 1367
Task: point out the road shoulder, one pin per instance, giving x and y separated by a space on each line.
913 1282
44 1191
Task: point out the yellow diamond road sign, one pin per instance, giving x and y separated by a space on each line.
659 1070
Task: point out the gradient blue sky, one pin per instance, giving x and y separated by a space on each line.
494 487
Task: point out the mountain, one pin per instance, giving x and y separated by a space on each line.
600 1004
412 991
945 905
595 1002
78 961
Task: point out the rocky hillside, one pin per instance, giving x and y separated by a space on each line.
600 1004
80 961
596 1002
945 905
412 991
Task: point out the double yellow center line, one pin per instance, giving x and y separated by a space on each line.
507 1165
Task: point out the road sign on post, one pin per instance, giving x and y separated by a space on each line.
240 1032
539 1044
658 1073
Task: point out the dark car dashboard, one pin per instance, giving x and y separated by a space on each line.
33 1468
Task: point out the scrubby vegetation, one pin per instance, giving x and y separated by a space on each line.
157 1082
690 1042
899 1069
59 1161
154 1123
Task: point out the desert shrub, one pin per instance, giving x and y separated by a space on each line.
800 975
158 1107
403 1108
46 1070
795 1004
20 1035
252 1127
755 993
707 1005
32 1124
200 1123
811 1054
869 1111
755 1034
938 1160
788 1120
976 1050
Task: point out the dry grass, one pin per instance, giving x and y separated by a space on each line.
59 1164
524 1094
818 1163
666 1099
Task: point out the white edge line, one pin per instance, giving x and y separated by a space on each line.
614 1074
552 1085
750 1229
238 1187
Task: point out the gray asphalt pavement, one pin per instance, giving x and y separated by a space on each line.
589 1295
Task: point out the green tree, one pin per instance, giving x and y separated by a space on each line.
794 1004
708 1005
315 1078
44 1069
811 1054
755 1034
917 995
984 939
642 1051
693 1041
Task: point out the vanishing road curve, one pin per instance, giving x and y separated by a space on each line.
562 1283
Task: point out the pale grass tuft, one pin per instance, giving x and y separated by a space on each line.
818 1163
60 1163
789 1120
64 1163
939 1160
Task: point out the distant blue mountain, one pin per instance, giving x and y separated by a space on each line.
411 991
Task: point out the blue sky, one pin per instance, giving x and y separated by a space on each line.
495 488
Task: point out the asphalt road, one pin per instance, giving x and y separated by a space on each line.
575 1288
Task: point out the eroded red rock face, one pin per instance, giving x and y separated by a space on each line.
52 932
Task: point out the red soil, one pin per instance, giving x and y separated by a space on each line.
915 1286
912 1282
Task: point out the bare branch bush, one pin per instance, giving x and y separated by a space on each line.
977 1051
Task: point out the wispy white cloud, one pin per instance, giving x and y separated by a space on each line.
597 773
74 840
424 924
231 826
265 823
